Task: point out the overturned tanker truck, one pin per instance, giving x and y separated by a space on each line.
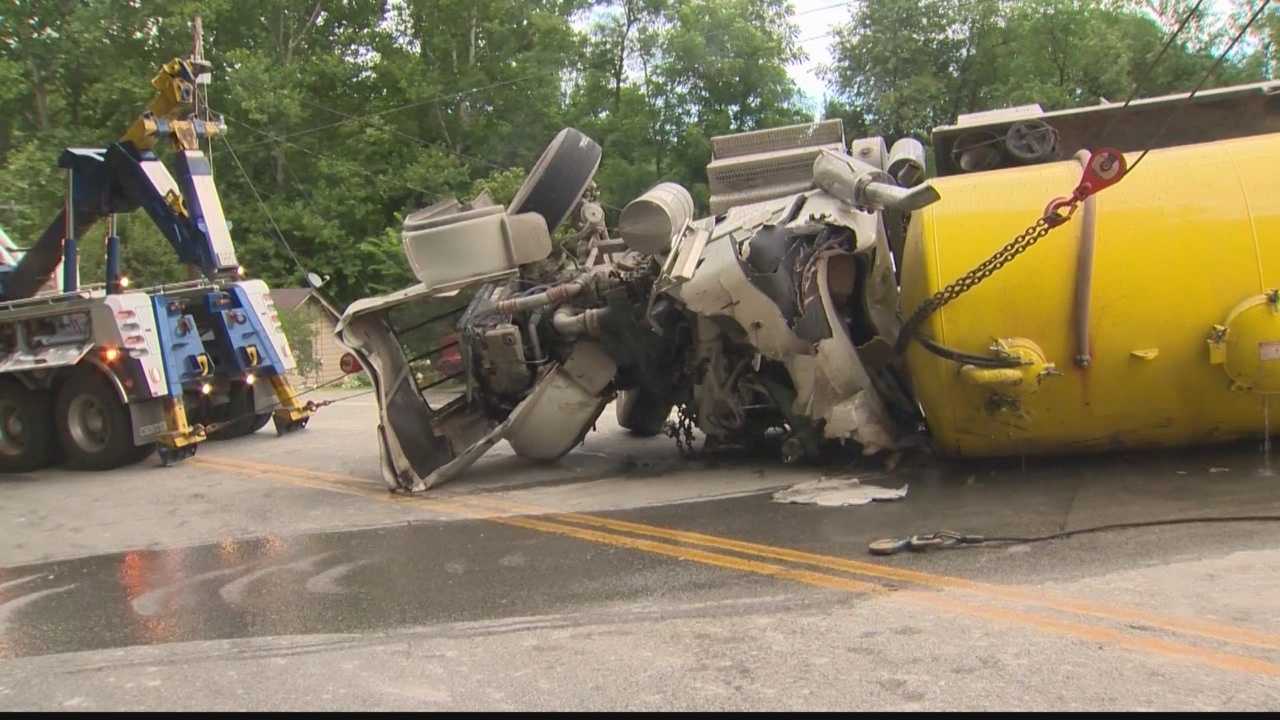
837 295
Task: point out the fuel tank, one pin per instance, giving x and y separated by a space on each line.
1165 332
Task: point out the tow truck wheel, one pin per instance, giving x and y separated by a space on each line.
238 412
643 413
26 428
260 422
93 426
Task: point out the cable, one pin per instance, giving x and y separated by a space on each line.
1212 70
1146 74
829 33
408 136
833 6
320 156
420 141
263 205
1132 525
418 103
215 426
946 539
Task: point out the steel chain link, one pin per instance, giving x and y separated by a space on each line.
1015 247
681 430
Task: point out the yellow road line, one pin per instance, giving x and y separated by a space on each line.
1210 630
303 478
683 553
468 507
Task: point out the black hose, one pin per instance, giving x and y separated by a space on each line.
947 539
1131 525
964 358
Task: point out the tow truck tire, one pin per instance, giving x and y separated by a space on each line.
260 422
643 413
93 426
26 428
238 409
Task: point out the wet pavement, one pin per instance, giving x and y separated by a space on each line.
627 578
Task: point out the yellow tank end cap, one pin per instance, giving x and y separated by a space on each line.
1247 345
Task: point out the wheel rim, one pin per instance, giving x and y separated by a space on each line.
87 423
13 438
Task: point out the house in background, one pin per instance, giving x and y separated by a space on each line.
303 311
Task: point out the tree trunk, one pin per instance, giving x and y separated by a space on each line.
620 65
40 97
286 47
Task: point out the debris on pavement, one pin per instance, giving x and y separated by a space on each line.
838 492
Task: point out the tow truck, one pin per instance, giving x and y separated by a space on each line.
101 375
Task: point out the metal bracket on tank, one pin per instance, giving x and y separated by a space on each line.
1247 344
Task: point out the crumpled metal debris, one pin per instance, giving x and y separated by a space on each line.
838 492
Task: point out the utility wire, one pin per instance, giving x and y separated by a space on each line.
263 205
833 6
308 151
420 141
407 136
408 106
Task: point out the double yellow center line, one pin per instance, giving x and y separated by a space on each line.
1061 616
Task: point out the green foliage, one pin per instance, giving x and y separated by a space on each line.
906 66
299 329
356 381
500 184
347 116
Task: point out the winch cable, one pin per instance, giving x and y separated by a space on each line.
946 539
310 406
1146 74
1203 80
1105 168
263 205
1052 218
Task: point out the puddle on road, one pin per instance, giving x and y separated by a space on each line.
402 576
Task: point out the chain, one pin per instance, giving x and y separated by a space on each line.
310 406
1005 255
682 431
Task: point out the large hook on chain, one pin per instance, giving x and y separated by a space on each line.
1105 168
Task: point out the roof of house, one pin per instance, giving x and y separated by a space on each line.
292 298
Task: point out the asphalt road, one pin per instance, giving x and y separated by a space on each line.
277 573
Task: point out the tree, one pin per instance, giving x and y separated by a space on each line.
659 78
910 65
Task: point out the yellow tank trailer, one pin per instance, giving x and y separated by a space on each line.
1151 319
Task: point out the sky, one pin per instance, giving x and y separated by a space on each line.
816 18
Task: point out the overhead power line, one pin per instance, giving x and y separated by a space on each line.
399 108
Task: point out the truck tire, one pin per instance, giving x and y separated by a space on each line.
260 422
559 178
643 413
239 411
26 428
93 426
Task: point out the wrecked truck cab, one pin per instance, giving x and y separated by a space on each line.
453 248
772 318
